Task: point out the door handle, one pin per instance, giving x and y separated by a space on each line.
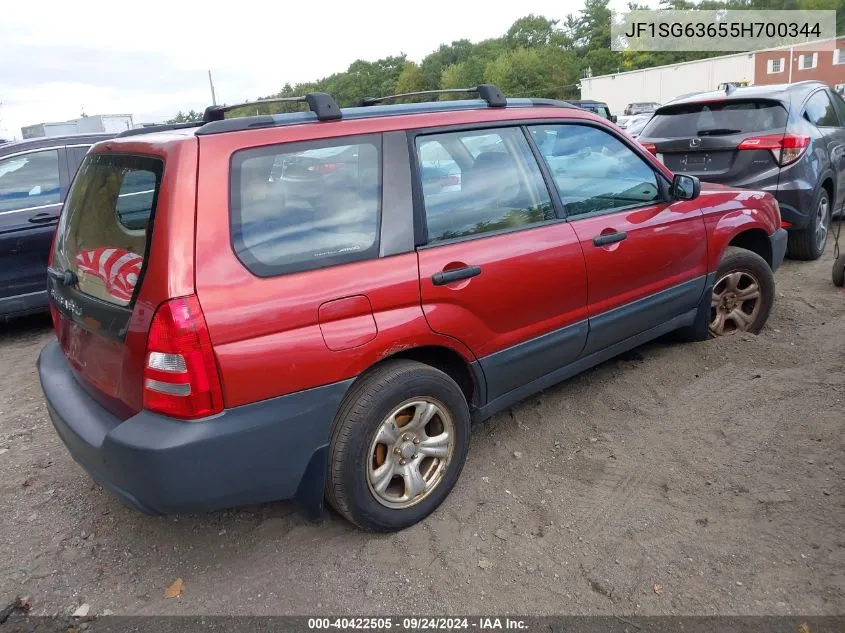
42 218
609 238
456 274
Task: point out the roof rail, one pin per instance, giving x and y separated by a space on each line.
158 128
320 103
490 93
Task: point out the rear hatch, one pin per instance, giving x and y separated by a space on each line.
97 267
729 142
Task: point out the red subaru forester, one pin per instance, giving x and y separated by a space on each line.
318 304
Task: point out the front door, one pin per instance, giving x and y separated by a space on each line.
499 271
31 186
646 257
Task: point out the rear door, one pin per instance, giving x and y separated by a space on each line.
705 140
821 112
498 270
32 185
646 257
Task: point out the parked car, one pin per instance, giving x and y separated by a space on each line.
641 107
636 123
34 179
786 139
596 107
244 347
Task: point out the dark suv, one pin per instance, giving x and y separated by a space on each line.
34 178
596 107
786 139
293 307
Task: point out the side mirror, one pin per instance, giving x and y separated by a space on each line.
685 187
613 118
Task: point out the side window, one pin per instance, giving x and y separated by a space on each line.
476 182
839 102
300 206
29 180
819 110
593 170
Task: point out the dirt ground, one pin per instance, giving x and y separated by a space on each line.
701 478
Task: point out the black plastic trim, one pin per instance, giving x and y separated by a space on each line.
628 320
165 127
457 274
582 364
778 241
510 368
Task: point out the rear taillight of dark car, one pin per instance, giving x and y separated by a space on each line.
786 148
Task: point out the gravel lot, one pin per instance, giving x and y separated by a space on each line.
701 478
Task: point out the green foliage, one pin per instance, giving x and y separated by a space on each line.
190 117
536 57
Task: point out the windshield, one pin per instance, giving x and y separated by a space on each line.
716 118
102 235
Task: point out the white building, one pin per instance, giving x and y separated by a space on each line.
111 123
662 83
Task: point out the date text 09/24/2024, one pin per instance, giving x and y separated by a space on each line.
417 623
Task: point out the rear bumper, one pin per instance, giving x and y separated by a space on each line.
794 205
272 450
778 242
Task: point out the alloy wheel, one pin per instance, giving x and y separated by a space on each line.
735 303
410 453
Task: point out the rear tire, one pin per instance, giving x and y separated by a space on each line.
398 445
743 294
809 242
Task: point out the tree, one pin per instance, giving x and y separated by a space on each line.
531 31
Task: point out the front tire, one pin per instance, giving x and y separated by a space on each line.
743 294
398 445
809 242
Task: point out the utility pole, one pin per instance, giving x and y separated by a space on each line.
211 84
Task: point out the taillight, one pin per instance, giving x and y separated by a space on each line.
650 147
786 148
181 379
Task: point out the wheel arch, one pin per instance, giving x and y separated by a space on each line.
468 375
755 240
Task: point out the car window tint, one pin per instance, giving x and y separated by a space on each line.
839 104
29 180
480 182
102 234
732 117
593 170
819 110
301 206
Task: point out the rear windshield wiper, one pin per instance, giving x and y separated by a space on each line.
717 131
62 277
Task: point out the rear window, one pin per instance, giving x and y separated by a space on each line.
301 206
102 235
729 117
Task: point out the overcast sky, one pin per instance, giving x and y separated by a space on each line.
150 59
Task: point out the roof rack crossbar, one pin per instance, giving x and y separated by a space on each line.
490 93
320 103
